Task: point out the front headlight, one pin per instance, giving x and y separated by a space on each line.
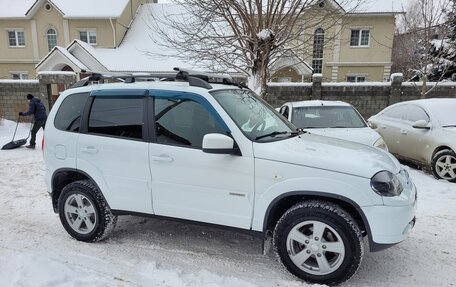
386 184
380 143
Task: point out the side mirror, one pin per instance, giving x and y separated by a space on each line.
372 125
421 124
218 144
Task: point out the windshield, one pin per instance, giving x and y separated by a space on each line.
326 117
257 120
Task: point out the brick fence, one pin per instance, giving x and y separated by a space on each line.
369 98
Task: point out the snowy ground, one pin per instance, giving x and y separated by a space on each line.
35 250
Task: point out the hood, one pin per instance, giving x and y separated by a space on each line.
364 135
329 154
451 130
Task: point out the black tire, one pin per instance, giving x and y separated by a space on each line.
441 169
339 230
84 213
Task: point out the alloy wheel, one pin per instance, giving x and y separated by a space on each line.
80 213
445 167
315 247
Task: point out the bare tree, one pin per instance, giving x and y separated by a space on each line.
244 35
423 26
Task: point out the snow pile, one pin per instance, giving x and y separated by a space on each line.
67 73
35 250
265 34
397 76
317 76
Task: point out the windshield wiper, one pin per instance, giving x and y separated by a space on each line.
273 134
449 126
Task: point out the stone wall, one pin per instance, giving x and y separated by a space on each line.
369 98
13 92
13 97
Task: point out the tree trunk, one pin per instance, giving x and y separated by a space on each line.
255 83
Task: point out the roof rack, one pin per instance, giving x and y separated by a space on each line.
194 78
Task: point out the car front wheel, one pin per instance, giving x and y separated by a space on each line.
444 165
84 213
319 242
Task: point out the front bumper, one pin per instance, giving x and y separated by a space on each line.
389 225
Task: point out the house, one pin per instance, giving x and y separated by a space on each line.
29 29
115 36
343 46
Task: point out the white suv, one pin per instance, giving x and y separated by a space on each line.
218 154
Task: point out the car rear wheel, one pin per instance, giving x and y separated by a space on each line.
84 213
319 242
444 165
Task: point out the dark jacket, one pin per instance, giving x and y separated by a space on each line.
37 109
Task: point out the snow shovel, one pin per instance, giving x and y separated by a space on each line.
17 143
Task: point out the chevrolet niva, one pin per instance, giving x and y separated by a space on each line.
216 153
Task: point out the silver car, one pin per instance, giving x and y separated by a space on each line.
422 131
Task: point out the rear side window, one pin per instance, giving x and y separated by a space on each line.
68 117
398 112
119 117
416 113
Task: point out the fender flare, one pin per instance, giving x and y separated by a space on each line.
373 246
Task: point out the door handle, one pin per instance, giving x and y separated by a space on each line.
89 149
382 126
404 132
162 158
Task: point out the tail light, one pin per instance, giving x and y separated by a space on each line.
42 144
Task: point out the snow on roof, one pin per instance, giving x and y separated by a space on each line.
16 10
318 103
90 8
70 9
140 50
71 58
374 6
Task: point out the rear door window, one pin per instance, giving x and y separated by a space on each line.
118 117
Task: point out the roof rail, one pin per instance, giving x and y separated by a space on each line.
85 81
194 78
212 78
